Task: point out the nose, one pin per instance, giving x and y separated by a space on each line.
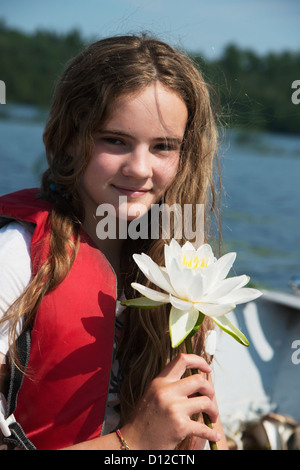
138 163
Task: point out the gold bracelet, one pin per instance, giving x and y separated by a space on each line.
125 446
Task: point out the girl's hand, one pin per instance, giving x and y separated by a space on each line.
163 417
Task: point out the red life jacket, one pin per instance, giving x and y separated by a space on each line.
62 400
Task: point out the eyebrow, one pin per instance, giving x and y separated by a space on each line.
169 139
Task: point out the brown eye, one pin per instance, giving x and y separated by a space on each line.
112 141
165 147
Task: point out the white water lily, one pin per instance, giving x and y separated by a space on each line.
193 282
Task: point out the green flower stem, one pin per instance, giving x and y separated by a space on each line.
207 421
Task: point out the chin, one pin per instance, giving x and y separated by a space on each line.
132 211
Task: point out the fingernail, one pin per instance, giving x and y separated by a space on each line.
219 436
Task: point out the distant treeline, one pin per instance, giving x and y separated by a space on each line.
254 91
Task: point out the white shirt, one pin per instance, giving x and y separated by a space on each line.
15 270
15 275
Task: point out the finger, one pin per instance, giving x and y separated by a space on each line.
204 432
202 404
194 385
176 368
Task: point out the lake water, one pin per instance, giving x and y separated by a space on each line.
260 201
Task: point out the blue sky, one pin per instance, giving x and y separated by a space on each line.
205 26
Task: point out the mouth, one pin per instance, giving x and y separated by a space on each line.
131 191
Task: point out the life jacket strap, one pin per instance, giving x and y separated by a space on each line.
18 437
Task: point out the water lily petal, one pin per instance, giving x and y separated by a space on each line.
214 310
231 329
181 324
151 293
188 246
246 294
180 304
196 287
178 280
153 272
218 271
173 250
225 287
224 264
205 250
175 268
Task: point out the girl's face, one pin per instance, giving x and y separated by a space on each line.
136 152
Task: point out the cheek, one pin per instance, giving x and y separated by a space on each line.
94 178
102 167
166 173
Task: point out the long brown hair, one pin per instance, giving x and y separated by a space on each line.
82 101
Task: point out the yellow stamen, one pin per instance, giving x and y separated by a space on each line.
193 262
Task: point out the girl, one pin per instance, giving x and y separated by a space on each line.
130 120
